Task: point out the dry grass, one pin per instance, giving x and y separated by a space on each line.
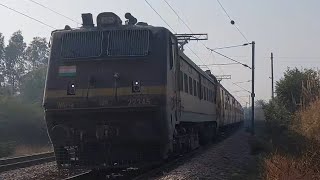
306 164
308 122
284 167
22 150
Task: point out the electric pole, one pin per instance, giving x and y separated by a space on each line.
252 92
272 90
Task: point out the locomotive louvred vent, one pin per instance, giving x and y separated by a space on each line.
81 44
128 43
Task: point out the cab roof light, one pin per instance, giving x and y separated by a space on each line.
108 19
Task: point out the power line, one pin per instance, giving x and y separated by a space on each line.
178 16
172 28
282 57
201 42
222 64
237 62
46 7
188 28
242 82
197 56
213 50
27 16
230 58
160 16
241 87
238 91
225 11
228 47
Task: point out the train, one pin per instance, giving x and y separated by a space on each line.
125 94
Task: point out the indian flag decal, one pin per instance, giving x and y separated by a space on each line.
67 71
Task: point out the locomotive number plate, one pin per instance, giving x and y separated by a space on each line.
139 101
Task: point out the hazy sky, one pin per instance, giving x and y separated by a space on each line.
288 28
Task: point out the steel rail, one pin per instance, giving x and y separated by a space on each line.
7 164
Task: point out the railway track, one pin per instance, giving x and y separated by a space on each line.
8 164
150 173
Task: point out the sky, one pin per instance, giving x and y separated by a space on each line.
288 28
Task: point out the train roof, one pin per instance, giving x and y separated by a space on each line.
154 29
211 79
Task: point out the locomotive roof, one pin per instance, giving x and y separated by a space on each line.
154 29
120 27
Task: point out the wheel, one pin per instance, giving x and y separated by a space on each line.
204 136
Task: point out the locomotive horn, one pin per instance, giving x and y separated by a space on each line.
131 20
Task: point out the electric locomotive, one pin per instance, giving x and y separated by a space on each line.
119 94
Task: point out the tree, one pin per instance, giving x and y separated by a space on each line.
13 60
289 89
37 53
32 85
2 67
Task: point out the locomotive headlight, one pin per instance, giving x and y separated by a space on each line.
136 86
107 19
71 90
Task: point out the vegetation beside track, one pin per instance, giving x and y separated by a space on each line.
287 144
22 76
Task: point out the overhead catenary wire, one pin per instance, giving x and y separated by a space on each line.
160 16
225 11
242 82
56 12
192 32
171 28
178 16
211 50
245 65
241 87
23 14
221 64
228 47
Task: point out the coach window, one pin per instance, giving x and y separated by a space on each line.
194 87
181 81
211 95
190 86
198 89
185 83
205 93
215 95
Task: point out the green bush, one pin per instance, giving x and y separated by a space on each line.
21 123
276 114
